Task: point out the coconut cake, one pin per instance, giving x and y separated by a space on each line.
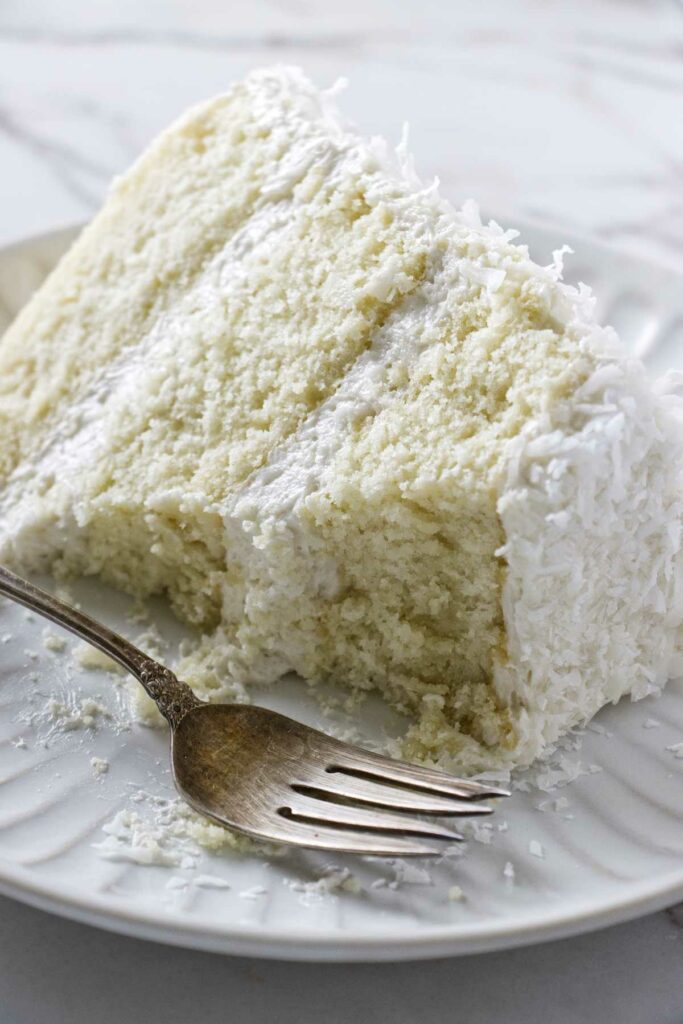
350 432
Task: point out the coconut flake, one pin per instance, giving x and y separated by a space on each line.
254 893
210 882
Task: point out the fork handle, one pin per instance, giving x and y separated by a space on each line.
173 698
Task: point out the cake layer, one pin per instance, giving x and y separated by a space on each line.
349 431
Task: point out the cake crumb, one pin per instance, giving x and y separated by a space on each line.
456 893
142 707
19 743
509 871
53 642
138 615
676 749
84 714
151 642
99 766
651 723
536 849
88 656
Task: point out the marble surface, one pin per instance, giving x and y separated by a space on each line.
58 972
566 113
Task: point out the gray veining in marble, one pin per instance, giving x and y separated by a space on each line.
565 112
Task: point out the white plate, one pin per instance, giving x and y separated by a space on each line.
612 851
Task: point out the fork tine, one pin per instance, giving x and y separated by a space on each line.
335 785
355 761
321 811
320 837
276 828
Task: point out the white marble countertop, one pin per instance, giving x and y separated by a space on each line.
58 972
569 113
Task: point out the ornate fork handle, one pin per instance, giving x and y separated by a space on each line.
173 698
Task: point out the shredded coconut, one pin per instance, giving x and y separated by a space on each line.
555 771
254 893
334 880
210 882
599 730
132 840
593 493
408 873
177 882
169 834
479 831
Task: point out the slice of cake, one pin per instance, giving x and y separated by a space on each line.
349 431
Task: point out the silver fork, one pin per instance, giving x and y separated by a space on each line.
274 779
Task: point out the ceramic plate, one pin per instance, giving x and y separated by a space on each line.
593 838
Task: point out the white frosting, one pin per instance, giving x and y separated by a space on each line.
592 510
